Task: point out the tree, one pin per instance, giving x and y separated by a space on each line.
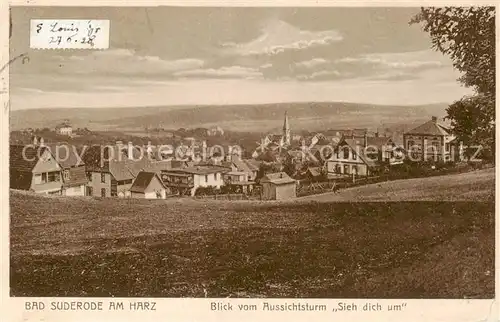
467 36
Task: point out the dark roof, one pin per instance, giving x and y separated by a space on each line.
378 141
143 180
252 164
314 171
126 169
158 166
65 154
61 125
276 138
20 179
120 167
200 169
277 178
27 162
430 128
356 145
77 176
241 165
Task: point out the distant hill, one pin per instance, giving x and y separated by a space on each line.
264 117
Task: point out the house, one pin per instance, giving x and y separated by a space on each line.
242 175
148 185
278 186
34 168
215 131
64 128
112 169
429 141
74 177
360 157
185 181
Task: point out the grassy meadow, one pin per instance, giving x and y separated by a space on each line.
193 248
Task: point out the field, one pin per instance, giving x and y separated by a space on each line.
190 248
471 186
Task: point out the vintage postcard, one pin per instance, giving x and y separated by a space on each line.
218 162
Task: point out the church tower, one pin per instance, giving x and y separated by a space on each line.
286 131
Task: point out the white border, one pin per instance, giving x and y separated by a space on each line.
199 309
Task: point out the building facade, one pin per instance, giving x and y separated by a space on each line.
185 181
360 157
74 178
430 141
148 185
278 186
34 168
64 128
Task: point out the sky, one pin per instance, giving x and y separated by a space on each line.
178 56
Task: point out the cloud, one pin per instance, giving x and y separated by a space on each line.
278 36
127 62
321 75
223 72
407 60
311 63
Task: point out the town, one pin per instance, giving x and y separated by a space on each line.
281 167
267 152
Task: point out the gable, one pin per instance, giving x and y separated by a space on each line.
46 163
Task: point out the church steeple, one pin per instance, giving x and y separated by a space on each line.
286 131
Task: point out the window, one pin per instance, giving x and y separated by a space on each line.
338 169
354 169
38 178
411 144
103 192
103 177
66 175
346 169
206 178
44 177
345 152
354 156
215 176
53 177
89 176
89 191
447 147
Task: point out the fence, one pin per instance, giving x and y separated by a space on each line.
306 187
229 196
310 188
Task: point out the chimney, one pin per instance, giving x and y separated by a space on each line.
365 139
434 119
130 151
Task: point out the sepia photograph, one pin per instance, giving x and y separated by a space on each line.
257 152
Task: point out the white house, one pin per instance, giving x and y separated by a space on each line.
187 180
64 129
148 185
